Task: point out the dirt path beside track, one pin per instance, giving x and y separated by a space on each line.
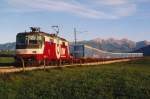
12 69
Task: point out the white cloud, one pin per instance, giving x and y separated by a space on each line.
60 5
88 8
112 2
119 2
126 10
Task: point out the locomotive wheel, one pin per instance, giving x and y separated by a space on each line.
59 62
18 62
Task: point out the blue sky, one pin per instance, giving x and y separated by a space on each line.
101 18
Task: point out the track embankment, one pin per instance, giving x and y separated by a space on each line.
13 69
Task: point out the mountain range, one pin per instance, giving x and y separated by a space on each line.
115 45
8 46
111 44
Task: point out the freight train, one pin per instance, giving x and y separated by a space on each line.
36 48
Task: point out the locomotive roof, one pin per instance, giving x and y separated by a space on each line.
42 33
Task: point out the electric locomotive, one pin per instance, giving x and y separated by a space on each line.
37 47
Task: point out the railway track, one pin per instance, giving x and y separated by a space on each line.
13 69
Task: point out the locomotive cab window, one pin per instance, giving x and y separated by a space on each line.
32 40
29 41
21 39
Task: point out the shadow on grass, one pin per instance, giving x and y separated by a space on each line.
6 64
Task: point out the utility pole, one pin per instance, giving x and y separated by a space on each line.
75 41
75 36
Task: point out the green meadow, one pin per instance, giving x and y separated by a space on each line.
126 80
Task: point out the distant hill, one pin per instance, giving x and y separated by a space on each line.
8 46
113 45
144 50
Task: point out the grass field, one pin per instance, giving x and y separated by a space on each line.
7 52
7 59
129 80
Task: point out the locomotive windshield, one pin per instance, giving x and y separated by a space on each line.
29 41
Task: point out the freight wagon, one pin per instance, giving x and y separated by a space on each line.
85 51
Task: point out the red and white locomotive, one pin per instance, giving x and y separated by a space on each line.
36 46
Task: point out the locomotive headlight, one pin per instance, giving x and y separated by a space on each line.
34 52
